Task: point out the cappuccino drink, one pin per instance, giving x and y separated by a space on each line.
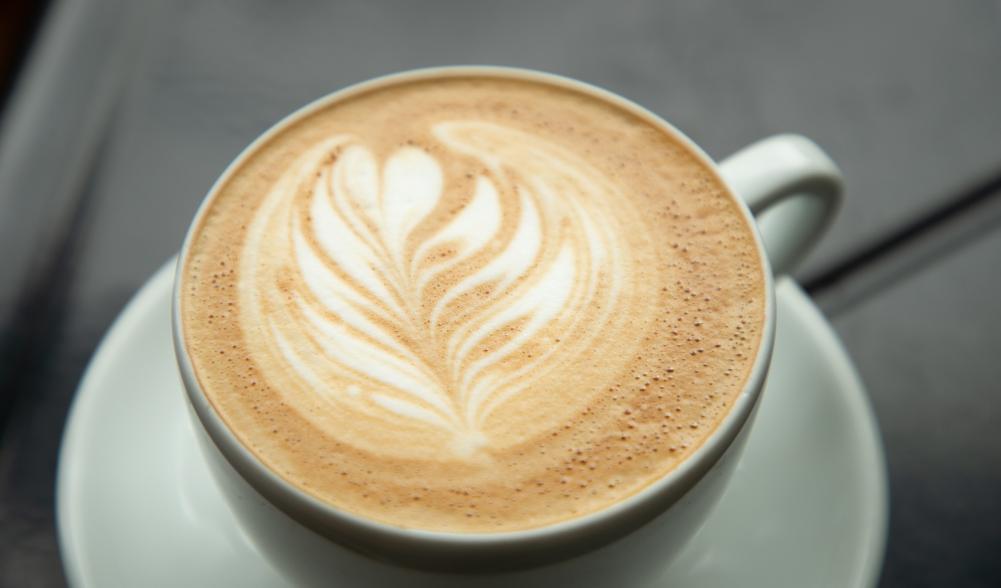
472 303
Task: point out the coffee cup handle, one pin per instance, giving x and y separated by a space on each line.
793 189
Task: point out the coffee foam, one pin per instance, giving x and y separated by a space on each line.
472 304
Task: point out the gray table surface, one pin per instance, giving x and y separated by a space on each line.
126 112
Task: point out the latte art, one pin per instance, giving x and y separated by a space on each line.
471 304
436 329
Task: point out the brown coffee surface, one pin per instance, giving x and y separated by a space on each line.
472 303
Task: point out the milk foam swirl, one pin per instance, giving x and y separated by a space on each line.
367 285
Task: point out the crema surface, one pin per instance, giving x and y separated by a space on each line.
472 304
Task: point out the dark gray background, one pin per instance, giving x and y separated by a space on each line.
125 112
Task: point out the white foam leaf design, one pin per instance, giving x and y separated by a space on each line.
388 307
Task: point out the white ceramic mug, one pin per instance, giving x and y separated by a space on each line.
625 544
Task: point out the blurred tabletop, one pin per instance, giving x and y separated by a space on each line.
125 112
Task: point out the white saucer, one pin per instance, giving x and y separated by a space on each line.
137 507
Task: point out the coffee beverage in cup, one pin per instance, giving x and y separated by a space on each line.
472 303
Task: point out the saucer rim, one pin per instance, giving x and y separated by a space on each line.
876 473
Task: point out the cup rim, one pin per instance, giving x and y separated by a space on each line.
305 508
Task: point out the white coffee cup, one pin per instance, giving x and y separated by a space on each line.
625 544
